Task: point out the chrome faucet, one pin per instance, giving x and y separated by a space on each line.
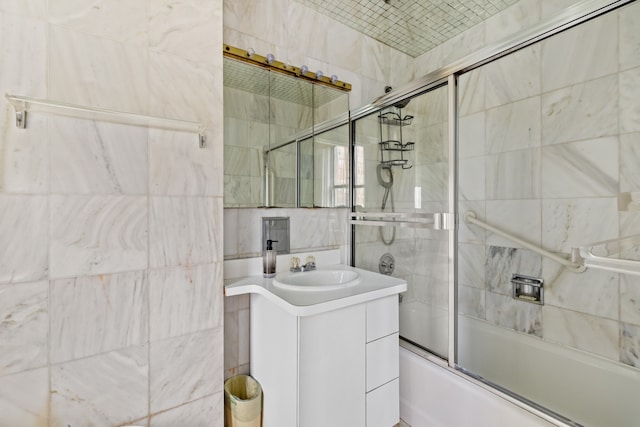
308 266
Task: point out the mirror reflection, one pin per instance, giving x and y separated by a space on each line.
281 149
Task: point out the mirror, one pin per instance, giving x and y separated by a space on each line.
280 148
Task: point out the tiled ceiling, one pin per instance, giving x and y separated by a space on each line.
410 26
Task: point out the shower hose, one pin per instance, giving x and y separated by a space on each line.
387 183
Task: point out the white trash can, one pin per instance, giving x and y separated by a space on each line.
242 402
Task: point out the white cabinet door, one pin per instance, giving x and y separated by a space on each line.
332 369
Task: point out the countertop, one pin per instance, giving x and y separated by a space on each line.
371 286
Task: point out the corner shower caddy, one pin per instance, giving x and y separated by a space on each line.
391 146
23 104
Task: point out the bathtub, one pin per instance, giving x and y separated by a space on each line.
591 391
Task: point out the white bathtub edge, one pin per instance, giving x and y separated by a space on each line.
497 399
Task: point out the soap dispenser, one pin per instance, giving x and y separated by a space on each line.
269 260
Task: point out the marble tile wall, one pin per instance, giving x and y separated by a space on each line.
547 149
111 308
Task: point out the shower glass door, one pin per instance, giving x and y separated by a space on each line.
401 171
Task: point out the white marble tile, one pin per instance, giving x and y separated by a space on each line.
23 50
629 299
183 300
250 229
629 160
583 53
471 178
471 302
570 223
97 314
122 20
33 8
629 105
471 92
513 175
185 231
581 331
97 157
178 167
630 344
24 155
185 368
550 9
244 316
464 44
471 265
512 20
629 36
517 315
521 218
24 231
24 326
471 136
97 234
514 77
203 412
108 389
504 262
581 169
187 29
97 72
196 96
24 398
257 18
231 343
230 232
592 292
375 59
584 111
514 126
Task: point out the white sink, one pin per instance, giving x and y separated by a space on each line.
317 280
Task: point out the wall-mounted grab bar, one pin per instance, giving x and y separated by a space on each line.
23 104
576 267
609 255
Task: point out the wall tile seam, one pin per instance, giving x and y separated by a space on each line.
23 371
146 344
207 396
215 329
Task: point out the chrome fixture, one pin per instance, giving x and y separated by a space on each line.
529 289
296 267
387 264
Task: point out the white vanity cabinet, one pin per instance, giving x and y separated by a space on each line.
333 368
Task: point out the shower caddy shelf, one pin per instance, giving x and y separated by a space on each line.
606 255
392 118
23 104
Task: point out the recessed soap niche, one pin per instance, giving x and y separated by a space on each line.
529 289
276 228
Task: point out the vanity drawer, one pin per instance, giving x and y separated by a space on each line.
382 361
382 317
383 405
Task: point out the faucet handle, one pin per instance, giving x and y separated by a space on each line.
295 263
310 259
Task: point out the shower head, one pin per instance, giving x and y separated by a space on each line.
399 104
